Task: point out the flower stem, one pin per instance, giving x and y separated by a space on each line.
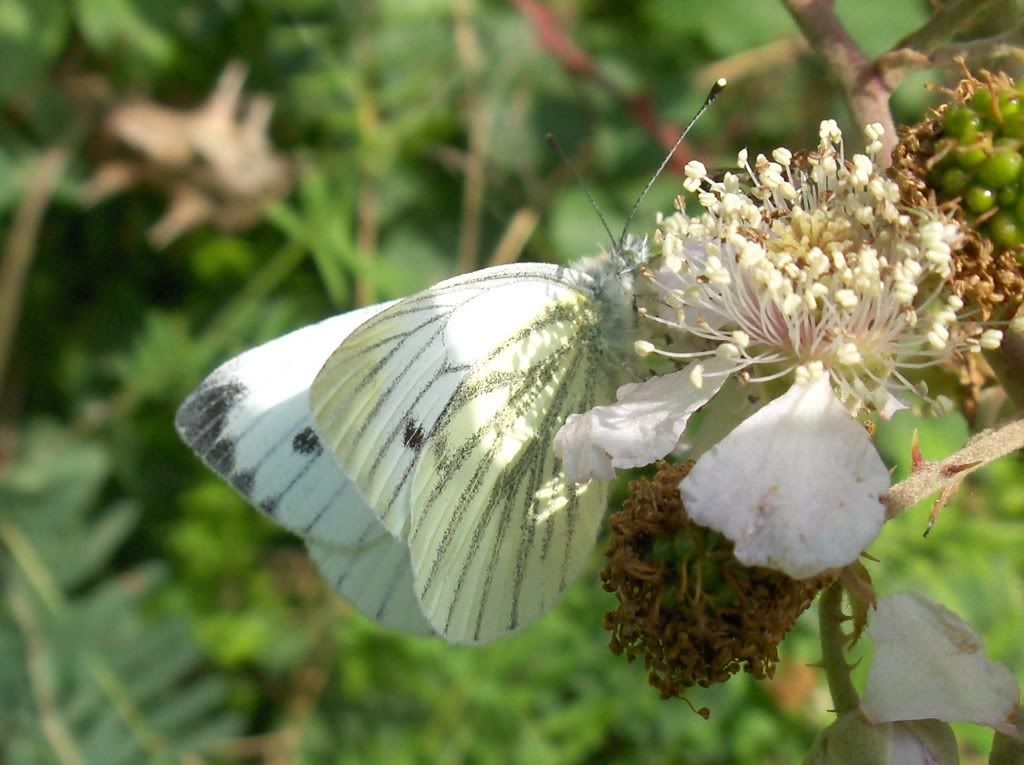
867 94
833 657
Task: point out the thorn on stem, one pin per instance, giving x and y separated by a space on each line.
917 460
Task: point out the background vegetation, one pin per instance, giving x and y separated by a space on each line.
148 615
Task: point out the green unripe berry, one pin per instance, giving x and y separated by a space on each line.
1008 196
981 101
954 181
1005 230
980 199
1001 169
962 123
1009 103
1013 126
969 159
1018 211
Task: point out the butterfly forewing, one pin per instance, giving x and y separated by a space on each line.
497 532
443 408
250 422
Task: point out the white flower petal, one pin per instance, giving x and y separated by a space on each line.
796 486
642 427
890 405
734 403
581 458
930 664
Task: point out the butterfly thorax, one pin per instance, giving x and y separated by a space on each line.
613 279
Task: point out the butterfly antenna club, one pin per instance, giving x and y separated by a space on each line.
713 94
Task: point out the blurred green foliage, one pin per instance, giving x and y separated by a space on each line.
148 612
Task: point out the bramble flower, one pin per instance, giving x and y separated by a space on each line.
807 273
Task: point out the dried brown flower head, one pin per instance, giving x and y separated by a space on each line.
687 608
215 163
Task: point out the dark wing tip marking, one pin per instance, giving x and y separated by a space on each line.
413 437
203 418
221 456
307 442
204 414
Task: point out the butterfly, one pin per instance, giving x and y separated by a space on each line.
409 444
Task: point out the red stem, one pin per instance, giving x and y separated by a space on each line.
556 40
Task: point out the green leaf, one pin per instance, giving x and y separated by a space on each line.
32 35
110 25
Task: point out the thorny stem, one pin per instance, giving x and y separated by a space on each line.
924 49
1006 750
866 92
981 450
950 19
833 657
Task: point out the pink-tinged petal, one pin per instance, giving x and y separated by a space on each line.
930 664
796 486
642 427
922 742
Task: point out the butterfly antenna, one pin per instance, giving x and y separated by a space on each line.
713 94
579 179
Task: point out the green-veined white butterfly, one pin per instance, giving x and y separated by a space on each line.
416 463
409 443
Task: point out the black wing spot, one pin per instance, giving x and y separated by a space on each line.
413 436
307 442
269 505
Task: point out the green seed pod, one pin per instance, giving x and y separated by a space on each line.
970 158
981 102
1001 169
1007 197
962 123
1009 103
1005 230
980 199
1018 210
954 181
1013 126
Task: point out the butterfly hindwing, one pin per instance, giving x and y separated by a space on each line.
250 422
443 408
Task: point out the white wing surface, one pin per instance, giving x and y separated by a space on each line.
442 409
250 422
